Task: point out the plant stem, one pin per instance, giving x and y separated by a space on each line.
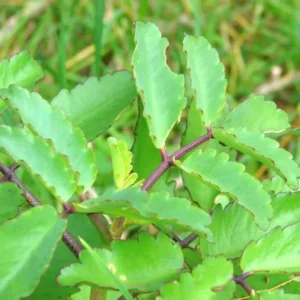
241 281
9 175
169 160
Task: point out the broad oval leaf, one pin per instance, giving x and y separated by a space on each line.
257 114
37 154
27 246
21 69
210 280
51 124
121 161
230 177
143 264
264 149
161 90
152 208
207 75
10 199
94 105
233 228
279 251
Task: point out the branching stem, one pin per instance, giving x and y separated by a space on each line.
168 161
9 175
241 281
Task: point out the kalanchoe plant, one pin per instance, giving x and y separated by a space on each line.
233 236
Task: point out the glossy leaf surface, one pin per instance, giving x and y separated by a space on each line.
37 154
207 75
161 90
51 124
257 114
20 69
27 246
142 264
94 105
230 177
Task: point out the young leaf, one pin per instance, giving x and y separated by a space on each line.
233 228
144 264
27 246
263 149
94 105
10 199
230 177
121 160
20 69
161 90
276 252
278 295
51 124
211 280
40 158
207 75
257 114
152 208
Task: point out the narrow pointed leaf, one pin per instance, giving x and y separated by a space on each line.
152 208
144 264
207 75
20 69
10 198
263 149
121 160
27 246
232 229
257 114
279 251
94 105
40 158
161 90
210 280
230 177
51 124
278 295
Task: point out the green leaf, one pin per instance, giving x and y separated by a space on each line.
10 198
200 192
161 90
277 185
27 246
94 105
20 69
257 114
121 160
143 147
211 280
207 75
40 158
286 210
230 177
278 295
51 124
152 208
144 264
279 251
263 149
232 229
